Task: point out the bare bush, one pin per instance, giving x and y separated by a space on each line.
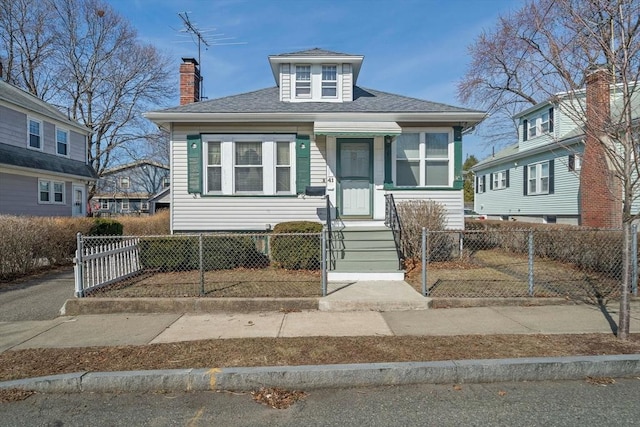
152 225
416 214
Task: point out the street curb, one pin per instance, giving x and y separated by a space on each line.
81 306
333 376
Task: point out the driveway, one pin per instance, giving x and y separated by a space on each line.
36 299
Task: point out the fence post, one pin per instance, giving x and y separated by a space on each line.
323 250
200 250
460 240
77 268
425 291
530 263
634 257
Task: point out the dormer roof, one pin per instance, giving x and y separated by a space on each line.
315 56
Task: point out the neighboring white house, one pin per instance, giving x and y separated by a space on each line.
250 161
44 169
541 177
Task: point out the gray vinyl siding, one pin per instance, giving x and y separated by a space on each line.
191 213
77 147
511 201
19 196
13 127
453 202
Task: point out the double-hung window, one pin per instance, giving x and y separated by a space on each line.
249 164
423 159
499 180
329 81
303 81
51 192
104 204
538 178
34 134
125 183
62 142
125 204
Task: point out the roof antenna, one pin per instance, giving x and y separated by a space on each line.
191 28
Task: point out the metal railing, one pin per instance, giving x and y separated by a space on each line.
392 220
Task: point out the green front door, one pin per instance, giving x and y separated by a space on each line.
355 177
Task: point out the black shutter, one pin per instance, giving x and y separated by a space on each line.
491 181
572 162
484 183
525 169
551 176
525 129
507 178
477 181
551 119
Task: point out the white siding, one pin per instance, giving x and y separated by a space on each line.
285 82
347 83
453 201
318 161
196 213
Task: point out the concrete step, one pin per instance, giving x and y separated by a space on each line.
366 255
377 295
366 265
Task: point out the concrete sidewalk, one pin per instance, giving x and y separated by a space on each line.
140 329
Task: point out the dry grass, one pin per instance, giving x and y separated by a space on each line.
304 351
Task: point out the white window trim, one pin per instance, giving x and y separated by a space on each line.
423 159
323 81
500 180
538 179
104 204
295 82
480 182
535 122
144 206
125 205
52 192
125 179
66 131
227 160
33 119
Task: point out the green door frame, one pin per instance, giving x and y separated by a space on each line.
339 177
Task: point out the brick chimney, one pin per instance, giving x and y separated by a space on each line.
600 194
189 81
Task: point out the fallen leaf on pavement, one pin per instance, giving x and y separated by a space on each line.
502 393
457 387
277 398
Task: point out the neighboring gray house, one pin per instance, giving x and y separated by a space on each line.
44 168
250 161
127 189
541 178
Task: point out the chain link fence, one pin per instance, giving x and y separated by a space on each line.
203 265
576 264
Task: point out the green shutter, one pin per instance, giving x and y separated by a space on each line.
303 163
458 180
194 164
388 159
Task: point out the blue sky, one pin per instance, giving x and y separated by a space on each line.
415 48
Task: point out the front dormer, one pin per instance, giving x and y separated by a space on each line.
316 75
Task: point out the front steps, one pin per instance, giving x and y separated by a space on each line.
364 253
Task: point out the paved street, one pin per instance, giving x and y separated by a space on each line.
558 403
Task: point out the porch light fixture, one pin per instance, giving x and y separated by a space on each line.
302 146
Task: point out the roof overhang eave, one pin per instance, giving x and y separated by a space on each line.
466 119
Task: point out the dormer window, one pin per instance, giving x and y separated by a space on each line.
303 81
538 125
329 81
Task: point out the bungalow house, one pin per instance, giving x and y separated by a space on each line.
542 178
44 169
251 161
127 189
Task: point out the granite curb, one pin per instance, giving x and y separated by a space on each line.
334 376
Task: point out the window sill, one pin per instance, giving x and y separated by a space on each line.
248 195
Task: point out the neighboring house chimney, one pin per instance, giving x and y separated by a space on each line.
600 194
189 81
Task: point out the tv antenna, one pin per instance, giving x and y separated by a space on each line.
201 38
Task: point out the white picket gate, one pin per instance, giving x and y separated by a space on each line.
101 261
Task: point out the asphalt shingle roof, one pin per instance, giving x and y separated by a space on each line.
312 52
365 101
22 157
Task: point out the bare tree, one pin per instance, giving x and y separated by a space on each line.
547 47
108 77
26 34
